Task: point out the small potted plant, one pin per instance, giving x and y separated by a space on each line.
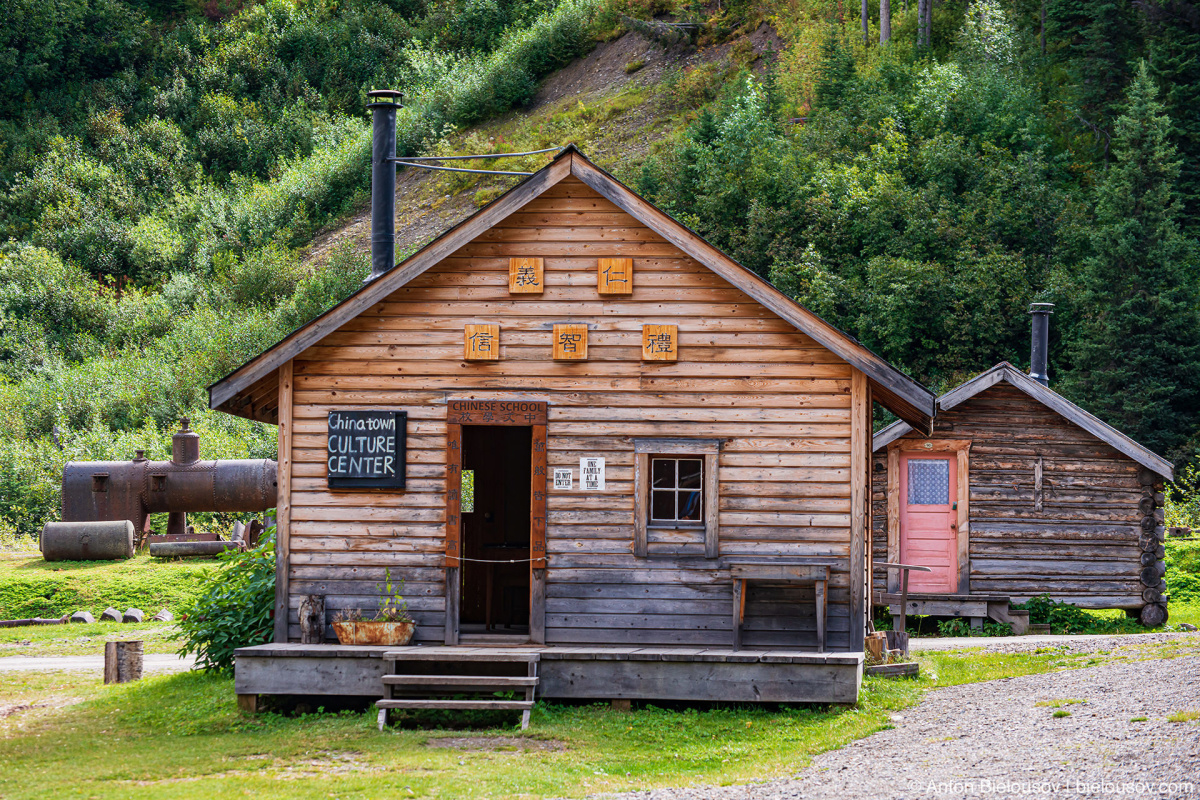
391 625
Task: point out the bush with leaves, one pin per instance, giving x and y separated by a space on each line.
233 609
1064 618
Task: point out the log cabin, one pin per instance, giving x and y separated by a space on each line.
1017 493
620 463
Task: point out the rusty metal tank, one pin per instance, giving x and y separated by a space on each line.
132 490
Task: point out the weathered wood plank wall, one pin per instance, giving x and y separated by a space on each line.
781 402
1075 539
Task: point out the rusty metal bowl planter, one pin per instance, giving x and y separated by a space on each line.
375 632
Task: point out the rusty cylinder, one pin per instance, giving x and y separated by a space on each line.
226 485
87 541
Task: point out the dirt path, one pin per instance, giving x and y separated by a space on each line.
1077 642
1001 739
151 662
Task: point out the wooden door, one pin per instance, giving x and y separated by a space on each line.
928 520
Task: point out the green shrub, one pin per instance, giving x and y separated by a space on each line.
1065 618
233 609
1183 569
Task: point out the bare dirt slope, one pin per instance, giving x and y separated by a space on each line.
429 203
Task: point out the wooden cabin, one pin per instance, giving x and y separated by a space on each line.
1017 493
580 433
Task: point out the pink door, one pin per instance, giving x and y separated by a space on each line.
928 517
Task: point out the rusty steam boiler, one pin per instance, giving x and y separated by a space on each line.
110 491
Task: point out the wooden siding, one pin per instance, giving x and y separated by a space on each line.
780 402
1077 542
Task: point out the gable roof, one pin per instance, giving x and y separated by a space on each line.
248 390
1048 397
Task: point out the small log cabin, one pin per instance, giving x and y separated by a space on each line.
1017 493
578 431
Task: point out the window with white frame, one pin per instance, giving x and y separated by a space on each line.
676 491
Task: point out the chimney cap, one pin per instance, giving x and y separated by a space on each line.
385 97
1041 308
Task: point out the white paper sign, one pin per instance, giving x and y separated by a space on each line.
591 474
564 479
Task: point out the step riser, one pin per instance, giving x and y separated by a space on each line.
493 705
451 681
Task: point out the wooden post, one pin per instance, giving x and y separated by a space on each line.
248 703
860 477
819 592
739 601
283 503
122 662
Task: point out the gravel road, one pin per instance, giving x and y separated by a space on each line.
992 740
151 662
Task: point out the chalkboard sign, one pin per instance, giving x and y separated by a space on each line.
366 449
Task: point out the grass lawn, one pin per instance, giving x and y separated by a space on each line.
181 736
31 587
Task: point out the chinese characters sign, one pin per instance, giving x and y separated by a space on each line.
525 276
366 449
481 342
660 342
570 342
615 276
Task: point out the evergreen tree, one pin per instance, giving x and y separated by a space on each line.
1136 353
837 74
1099 37
1173 49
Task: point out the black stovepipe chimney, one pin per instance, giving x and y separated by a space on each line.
1040 342
383 180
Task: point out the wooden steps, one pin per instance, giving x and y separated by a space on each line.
431 674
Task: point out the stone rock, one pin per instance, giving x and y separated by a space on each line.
83 616
1187 626
163 616
110 615
133 615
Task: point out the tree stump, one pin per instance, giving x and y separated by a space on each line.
122 662
897 640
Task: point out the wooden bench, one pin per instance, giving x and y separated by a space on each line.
815 571
975 607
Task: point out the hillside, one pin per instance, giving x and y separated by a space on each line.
183 187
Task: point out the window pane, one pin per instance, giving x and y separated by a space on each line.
466 500
928 482
664 473
689 473
689 505
662 505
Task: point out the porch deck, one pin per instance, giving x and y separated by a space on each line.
592 672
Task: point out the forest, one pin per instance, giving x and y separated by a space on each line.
164 165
